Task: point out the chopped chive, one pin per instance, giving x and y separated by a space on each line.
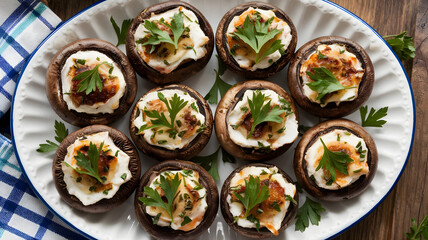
123 176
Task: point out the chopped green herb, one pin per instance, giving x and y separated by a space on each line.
341 51
117 153
123 176
186 220
105 192
276 206
156 218
178 122
219 85
81 61
193 105
291 199
93 188
254 220
320 55
79 179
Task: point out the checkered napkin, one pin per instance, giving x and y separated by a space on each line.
23 25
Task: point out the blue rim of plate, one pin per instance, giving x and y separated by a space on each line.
95 4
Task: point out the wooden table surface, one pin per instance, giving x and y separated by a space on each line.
409 198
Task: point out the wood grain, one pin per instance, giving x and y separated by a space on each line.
409 199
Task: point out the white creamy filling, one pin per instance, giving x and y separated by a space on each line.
119 176
236 208
239 135
91 58
267 61
195 214
337 51
355 169
162 137
175 57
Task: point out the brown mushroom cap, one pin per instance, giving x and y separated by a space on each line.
252 232
54 82
227 58
205 180
184 70
193 148
306 142
228 102
125 190
331 110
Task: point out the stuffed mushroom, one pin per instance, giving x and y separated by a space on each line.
188 199
335 160
256 40
331 76
256 120
90 81
171 122
96 169
276 206
169 42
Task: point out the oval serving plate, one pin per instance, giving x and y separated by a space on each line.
33 119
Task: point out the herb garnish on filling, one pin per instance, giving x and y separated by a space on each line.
256 34
88 164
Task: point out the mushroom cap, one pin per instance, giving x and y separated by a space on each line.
193 148
184 70
125 190
228 102
205 180
227 58
310 137
252 232
54 82
331 110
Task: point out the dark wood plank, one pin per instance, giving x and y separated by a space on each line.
412 190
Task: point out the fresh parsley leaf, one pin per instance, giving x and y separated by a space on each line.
332 161
61 132
308 211
262 113
90 80
324 82
219 85
402 45
256 34
169 187
209 163
121 33
90 163
418 232
158 36
253 195
373 119
174 106
227 157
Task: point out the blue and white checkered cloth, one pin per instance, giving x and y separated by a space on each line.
23 25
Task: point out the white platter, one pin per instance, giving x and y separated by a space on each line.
33 119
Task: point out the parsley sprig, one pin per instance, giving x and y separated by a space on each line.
253 195
219 85
158 36
256 34
308 211
61 132
402 45
418 232
373 119
88 163
121 32
324 82
174 106
90 80
210 162
169 187
261 112
332 161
